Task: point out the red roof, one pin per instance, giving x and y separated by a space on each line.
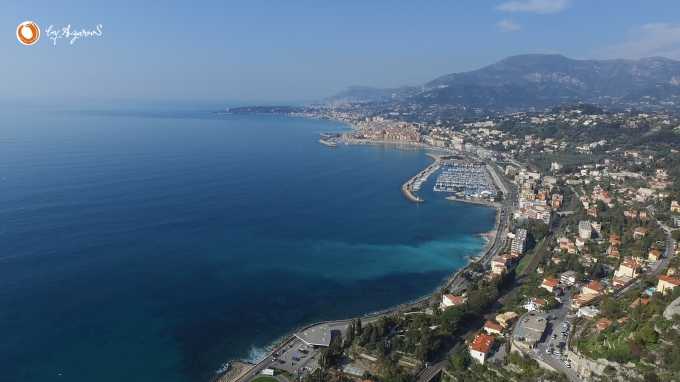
595 285
603 324
492 325
551 282
670 279
455 300
538 301
482 343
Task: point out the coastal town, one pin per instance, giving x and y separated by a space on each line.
578 283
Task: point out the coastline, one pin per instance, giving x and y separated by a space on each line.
491 239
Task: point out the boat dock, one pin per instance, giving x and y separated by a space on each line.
466 179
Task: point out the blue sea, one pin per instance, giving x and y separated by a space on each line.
155 245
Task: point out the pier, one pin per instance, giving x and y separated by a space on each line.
415 183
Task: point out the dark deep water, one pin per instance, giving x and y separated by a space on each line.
153 247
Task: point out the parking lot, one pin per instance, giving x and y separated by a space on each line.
552 347
297 358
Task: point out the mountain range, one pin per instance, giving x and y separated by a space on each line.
537 80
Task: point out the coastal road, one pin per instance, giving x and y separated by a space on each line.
458 281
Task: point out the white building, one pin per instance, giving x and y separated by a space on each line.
519 241
585 229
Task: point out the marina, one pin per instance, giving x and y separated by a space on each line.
467 180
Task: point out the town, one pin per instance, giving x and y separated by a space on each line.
579 282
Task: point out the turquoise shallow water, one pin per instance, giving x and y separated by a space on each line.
154 246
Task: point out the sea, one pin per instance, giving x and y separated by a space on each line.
155 245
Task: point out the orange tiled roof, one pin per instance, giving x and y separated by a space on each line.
670 279
482 343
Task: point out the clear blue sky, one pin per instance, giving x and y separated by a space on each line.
290 50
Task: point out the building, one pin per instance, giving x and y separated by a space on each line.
534 304
667 283
602 324
499 264
449 300
549 284
493 328
593 288
628 268
568 278
519 241
588 312
481 347
640 232
654 255
675 207
506 319
585 229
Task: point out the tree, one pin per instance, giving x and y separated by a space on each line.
451 318
460 359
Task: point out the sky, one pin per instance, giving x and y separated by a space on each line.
259 51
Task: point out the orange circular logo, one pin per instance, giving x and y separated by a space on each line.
28 33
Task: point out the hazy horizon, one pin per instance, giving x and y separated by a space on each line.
269 52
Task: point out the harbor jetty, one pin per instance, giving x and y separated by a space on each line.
330 140
415 183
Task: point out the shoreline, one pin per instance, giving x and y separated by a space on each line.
490 237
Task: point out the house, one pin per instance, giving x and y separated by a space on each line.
588 312
449 300
667 283
613 251
593 288
675 206
581 299
628 268
654 255
602 324
585 229
567 245
534 304
499 264
493 328
640 232
506 319
639 301
568 278
549 284
615 240
481 346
